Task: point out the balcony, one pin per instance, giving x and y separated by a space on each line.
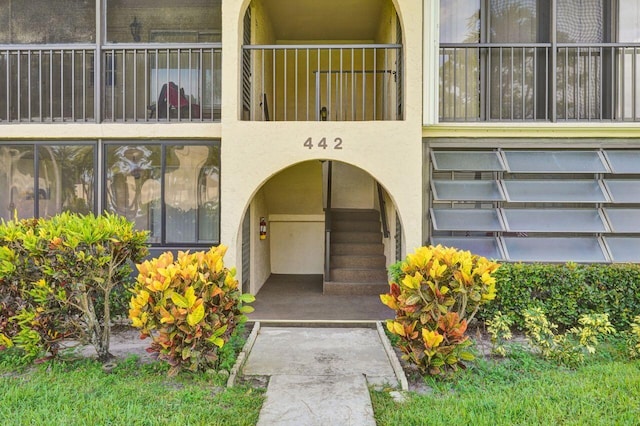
352 82
539 82
135 83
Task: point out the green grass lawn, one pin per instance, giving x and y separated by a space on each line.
524 390
80 393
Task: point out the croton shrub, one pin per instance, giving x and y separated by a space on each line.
435 293
57 277
189 306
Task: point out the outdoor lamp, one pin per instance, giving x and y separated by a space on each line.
323 113
135 28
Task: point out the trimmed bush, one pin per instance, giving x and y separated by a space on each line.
189 306
57 276
566 292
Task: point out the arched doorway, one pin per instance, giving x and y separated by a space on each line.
331 232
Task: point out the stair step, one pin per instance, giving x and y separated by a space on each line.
357 248
355 288
363 275
355 215
356 237
359 225
357 261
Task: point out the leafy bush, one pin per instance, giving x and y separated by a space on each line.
565 292
569 348
499 327
188 306
63 267
438 291
633 338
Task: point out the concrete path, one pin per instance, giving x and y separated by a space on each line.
319 376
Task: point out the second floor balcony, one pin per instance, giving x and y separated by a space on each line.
124 83
537 82
322 82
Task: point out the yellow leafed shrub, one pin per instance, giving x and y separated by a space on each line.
435 293
189 306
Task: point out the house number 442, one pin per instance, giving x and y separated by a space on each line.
322 143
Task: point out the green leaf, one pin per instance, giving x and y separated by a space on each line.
218 341
246 309
219 332
196 316
179 300
413 299
247 298
466 356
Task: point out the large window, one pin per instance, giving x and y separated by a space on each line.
41 180
164 21
47 21
504 60
170 189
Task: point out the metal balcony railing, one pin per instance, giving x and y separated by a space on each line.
322 82
47 83
537 81
168 83
134 83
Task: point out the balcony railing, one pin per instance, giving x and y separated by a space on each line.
322 82
137 83
173 82
47 83
527 82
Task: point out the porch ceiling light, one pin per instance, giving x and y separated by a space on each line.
135 26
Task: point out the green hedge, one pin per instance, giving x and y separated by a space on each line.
565 292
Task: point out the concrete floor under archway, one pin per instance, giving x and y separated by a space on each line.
287 297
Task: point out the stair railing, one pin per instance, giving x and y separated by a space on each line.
383 212
327 225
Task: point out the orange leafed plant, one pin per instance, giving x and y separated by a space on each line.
437 291
189 306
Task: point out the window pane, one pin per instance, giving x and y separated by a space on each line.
527 249
466 220
555 162
17 181
624 249
555 191
580 21
66 179
192 193
487 247
554 220
459 21
164 21
466 160
467 190
47 21
133 174
629 27
515 21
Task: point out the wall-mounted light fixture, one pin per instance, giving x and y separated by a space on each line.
135 28
323 113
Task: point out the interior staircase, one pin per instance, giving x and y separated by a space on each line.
357 261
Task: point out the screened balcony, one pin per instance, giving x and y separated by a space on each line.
153 62
162 83
539 60
324 83
535 82
47 83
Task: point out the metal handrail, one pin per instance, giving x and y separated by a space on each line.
383 212
327 225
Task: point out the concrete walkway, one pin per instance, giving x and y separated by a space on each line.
319 376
